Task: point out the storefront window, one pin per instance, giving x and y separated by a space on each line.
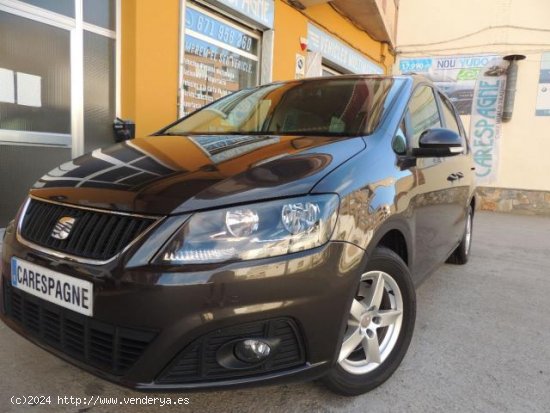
44 119
101 13
219 58
99 90
35 82
65 7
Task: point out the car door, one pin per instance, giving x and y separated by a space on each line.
433 200
462 175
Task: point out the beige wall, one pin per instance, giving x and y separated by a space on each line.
427 28
388 11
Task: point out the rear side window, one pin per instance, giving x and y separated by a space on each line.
423 113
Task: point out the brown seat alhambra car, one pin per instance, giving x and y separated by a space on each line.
276 234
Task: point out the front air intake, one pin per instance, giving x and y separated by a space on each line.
95 234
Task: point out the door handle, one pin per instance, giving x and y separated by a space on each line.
455 176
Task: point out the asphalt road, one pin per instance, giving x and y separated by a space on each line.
481 344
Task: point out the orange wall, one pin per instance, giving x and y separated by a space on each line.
150 44
291 24
150 63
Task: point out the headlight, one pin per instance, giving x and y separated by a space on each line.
253 231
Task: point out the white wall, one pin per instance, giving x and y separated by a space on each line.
453 27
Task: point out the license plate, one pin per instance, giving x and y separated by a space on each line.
63 290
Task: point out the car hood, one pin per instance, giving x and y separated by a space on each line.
164 175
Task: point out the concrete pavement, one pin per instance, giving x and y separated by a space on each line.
480 345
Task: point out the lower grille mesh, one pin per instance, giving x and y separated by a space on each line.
105 346
197 363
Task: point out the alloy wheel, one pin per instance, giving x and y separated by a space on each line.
374 323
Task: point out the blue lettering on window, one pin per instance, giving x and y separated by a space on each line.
217 30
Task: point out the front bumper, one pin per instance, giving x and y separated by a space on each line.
172 309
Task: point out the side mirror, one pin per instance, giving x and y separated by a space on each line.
438 142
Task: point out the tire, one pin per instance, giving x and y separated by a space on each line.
461 254
361 370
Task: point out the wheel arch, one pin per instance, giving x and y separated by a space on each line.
395 236
395 241
473 202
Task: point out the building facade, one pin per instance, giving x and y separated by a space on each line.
224 45
69 67
58 87
459 46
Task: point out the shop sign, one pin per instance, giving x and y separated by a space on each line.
261 12
339 53
485 122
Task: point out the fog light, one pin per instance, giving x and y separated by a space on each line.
252 351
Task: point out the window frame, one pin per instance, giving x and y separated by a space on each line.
327 68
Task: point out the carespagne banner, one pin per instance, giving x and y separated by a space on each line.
455 75
485 121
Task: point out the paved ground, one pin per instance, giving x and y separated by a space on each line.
481 344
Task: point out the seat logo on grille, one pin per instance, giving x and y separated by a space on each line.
63 228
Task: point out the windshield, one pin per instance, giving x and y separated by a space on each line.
345 106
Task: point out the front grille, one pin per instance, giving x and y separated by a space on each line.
110 348
94 235
197 362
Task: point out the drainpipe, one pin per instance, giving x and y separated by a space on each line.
511 80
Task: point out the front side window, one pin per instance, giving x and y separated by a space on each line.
342 107
451 120
448 113
423 113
